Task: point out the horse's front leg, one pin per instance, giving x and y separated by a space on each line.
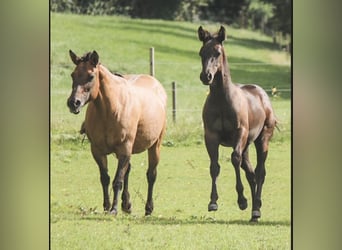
236 158
123 165
212 145
101 161
126 204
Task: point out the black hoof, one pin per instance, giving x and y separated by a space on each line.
242 203
106 206
256 214
212 207
148 210
127 208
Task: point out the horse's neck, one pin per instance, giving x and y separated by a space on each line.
111 91
223 87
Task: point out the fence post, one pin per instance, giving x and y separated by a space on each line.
152 61
174 102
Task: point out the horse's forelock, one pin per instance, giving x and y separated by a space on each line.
85 57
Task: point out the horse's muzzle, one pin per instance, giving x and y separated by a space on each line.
74 105
206 78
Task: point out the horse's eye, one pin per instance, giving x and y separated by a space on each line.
217 53
90 78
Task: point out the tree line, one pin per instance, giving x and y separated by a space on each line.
268 16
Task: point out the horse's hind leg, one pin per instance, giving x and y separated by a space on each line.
101 161
261 144
151 174
247 166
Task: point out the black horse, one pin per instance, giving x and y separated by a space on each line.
234 116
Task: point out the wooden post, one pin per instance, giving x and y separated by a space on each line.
174 102
152 61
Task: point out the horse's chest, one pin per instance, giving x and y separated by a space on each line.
222 124
105 138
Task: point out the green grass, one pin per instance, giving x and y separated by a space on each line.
180 219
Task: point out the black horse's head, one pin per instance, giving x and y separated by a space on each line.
211 53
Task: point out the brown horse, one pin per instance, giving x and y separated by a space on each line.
125 115
234 116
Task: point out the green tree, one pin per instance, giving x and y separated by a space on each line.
226 11
259 14
282 19
154 8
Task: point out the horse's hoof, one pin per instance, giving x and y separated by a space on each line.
242 203
148 212
212 207
256 214
127 208
148 209
106 209
114 212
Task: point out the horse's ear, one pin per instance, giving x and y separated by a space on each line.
73 57
203 35
94 58
221 35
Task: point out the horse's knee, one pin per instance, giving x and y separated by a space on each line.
214 169
236 159
117 185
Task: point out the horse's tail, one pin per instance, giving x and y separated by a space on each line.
276 122
82 130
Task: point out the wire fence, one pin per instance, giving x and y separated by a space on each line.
173 91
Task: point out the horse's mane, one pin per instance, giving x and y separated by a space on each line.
86 58
118 74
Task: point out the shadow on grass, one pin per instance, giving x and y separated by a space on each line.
192 220
252 43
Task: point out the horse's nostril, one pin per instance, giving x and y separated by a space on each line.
210 76
77 103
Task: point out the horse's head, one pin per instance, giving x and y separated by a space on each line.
211 53
84 80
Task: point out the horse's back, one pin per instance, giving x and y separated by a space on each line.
256 94
148 86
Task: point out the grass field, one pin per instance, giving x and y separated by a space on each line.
180 219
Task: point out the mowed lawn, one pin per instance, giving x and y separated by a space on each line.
180 219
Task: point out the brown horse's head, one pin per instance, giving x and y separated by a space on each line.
84 80
211 53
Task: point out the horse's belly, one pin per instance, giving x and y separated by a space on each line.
148 133
141 146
